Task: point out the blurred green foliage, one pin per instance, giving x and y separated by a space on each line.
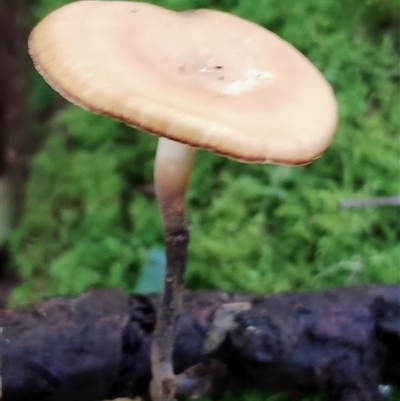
259 228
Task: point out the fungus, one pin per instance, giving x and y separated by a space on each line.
198 79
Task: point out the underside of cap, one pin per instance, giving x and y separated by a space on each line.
205 78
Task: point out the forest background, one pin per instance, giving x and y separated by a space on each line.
88 217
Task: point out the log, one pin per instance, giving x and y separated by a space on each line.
342 343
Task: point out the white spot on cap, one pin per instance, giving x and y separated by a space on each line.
251 79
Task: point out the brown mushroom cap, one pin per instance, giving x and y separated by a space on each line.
205 78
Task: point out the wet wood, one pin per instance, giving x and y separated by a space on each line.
341 343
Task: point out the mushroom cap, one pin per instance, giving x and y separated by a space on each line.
201 77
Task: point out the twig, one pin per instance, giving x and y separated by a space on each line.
377 201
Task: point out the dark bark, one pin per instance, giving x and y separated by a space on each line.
342 342
16 144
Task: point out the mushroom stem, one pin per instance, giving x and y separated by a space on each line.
173 167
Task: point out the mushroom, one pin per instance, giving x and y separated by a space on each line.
198 79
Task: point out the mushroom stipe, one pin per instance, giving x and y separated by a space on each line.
226 85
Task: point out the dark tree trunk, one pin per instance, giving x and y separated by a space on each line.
342 343
16 145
